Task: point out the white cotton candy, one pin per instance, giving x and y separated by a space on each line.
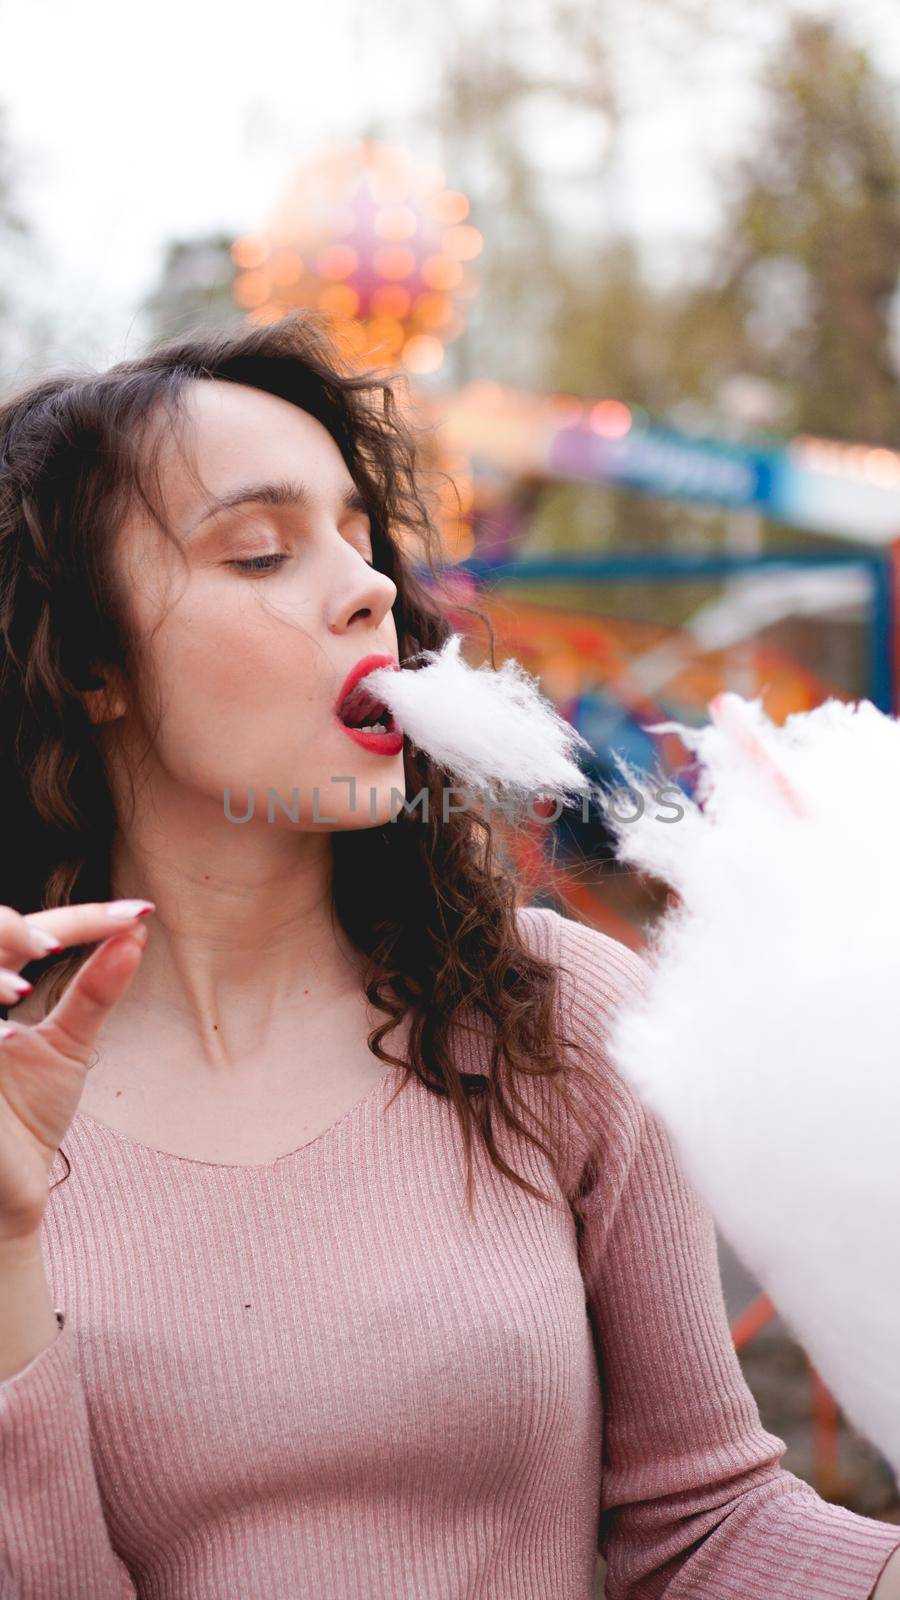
490 730
769 1039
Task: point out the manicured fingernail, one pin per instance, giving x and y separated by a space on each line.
43 942
124 910
17 982
6 1028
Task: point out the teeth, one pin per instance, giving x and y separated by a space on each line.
375 727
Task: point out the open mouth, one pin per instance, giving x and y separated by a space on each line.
363 717
364 713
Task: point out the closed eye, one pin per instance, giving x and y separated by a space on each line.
257 563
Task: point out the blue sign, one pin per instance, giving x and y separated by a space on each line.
662 462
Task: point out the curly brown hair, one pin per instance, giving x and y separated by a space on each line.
433 905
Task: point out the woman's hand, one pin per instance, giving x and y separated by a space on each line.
43 1067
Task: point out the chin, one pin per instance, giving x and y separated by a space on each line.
375 807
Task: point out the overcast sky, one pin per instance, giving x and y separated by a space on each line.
131 126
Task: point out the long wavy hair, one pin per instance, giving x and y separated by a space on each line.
432 904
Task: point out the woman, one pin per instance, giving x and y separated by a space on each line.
293 1355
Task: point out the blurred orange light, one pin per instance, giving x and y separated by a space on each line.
817 454
458 540
396 222
339 299
564 410
325 243
352 337
463 244
387 156
611 419
422 353
883 468
394 261
287 267
441 273
336 261
875 464
386 331
432 309
449 206
459 494
250 251
391 300
252 288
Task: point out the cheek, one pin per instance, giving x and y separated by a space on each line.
236 679
220 649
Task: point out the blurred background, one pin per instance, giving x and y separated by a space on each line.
635 263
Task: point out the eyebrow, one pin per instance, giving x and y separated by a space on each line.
281 492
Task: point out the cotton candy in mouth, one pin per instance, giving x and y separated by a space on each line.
488 729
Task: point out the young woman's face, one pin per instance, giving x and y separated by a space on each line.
275 605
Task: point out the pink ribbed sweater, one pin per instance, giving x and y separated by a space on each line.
319 1378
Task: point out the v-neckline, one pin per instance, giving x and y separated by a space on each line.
353 1112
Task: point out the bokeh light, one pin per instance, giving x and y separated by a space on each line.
612 419
377 242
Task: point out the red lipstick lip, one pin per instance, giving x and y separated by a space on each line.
382 744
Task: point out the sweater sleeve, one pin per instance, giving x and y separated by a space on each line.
694 1499
54 1543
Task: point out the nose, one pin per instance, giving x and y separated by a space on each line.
362 591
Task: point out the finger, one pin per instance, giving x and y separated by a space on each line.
71 1027
33 936
20 942
12 987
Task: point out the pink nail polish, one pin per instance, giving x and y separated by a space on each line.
124 910
15 981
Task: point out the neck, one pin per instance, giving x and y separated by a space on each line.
243 934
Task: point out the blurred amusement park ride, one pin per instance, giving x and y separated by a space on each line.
377 241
